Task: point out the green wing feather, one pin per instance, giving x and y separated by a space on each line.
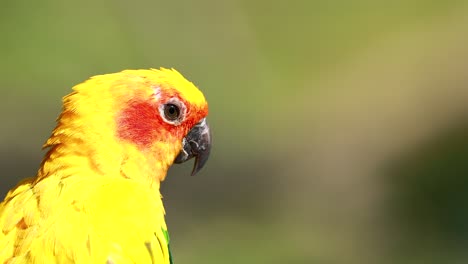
166 235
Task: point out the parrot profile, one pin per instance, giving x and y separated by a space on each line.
96 198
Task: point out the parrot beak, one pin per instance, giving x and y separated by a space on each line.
197 143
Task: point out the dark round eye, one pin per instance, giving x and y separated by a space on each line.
171 112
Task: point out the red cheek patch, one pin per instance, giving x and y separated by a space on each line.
140 123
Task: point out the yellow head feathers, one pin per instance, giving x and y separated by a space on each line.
134 115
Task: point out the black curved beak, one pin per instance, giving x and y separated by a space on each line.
197 143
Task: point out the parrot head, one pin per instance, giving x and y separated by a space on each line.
134 121
173 110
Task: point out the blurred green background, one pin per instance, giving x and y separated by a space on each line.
340 127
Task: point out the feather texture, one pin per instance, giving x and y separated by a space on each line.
96 196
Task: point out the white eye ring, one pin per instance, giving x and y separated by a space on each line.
166 110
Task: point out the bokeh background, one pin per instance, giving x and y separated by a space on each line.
340 127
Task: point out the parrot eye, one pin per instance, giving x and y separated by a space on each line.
171 112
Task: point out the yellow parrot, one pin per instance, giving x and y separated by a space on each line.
96 198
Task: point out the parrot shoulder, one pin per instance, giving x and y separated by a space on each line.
18 212
85 220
